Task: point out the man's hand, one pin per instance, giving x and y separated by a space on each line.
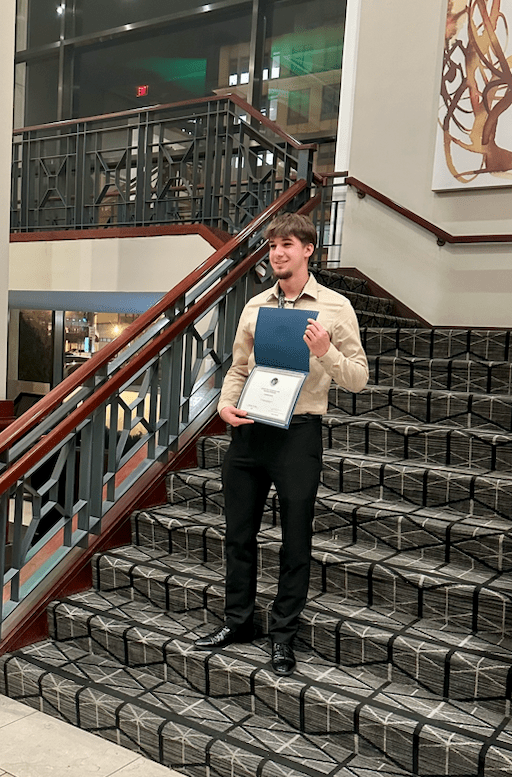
234 417
317 338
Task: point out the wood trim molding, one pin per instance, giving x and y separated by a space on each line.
6 413
215 237
442 236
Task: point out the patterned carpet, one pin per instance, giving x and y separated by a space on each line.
404 650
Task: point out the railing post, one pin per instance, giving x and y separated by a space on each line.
26 173
80 174
4 516
211 153
305 166
143 170
97 442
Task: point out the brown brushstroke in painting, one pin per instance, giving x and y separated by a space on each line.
476 86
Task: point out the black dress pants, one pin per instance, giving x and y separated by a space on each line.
258 456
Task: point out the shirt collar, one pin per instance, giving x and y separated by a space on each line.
309 290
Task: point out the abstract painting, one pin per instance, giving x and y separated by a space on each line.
474 132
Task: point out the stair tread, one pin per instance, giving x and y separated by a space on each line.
340 419
440 360
429 538
200 522
462 408
161 565
425 392
333 454
140 700
131 688
330 500
321 609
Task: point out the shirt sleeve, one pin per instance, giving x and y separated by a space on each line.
239 370
345 360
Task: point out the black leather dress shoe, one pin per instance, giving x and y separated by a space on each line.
224 635
283 659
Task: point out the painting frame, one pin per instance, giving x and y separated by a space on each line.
473 147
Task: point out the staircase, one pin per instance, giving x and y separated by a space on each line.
404 654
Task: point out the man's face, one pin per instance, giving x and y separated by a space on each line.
288 256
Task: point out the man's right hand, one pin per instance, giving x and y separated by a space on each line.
234 417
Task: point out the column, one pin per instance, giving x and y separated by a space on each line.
344 135
7 81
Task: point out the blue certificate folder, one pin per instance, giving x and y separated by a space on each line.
279 338
282 365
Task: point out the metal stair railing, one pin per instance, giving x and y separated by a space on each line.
215 161
74 456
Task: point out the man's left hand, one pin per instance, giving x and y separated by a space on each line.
317 338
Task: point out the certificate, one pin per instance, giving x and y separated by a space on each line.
270 394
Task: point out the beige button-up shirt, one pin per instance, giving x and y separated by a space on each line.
345 361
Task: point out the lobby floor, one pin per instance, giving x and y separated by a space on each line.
33 744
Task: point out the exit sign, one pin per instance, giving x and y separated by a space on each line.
142 91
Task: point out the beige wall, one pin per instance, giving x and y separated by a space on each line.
7 76
145 264
392 150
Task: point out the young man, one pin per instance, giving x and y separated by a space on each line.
260 454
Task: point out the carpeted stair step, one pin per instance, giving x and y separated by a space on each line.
415 442
477 599
492 412
441 537
472 344
442 534
372 319
392 647
472 491
371 311
441 374
167 721
339 282
173 724
365 303
438 443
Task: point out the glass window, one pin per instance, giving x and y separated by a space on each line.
43 22
86 333
97 15
41 86
304 52
186 59
184 63
298 106
330 102
20 82
35 343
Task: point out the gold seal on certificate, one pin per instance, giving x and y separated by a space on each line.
270 394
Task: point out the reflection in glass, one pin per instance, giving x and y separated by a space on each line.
181 63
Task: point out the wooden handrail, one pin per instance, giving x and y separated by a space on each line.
235 98
442 236
41 409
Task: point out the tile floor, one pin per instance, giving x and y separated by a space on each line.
33 744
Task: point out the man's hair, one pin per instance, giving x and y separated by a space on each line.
292 225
